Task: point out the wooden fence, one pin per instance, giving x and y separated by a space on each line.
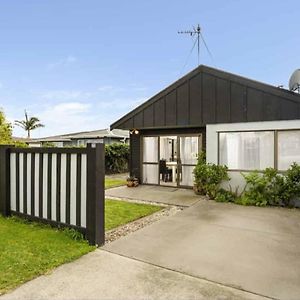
59 186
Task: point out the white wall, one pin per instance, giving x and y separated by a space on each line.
237 179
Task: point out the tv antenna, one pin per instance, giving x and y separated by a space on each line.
196 32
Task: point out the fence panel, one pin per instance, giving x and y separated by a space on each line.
60 186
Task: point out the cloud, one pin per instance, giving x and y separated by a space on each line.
69 60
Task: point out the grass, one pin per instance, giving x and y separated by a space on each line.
113 182
121 212
29 249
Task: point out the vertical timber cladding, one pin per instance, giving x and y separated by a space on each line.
49 184
135 155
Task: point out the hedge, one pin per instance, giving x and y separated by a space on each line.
116 158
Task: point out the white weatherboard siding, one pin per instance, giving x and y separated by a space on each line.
237 180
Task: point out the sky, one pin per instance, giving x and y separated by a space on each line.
82 64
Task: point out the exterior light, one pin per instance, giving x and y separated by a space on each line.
136 131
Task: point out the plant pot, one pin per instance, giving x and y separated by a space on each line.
130 183
197 190
135 183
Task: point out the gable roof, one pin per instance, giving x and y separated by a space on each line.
207 95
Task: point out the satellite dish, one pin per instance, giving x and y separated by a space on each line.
294 83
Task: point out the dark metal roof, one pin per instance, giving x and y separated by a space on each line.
206 96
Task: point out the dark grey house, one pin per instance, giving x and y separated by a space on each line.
240 122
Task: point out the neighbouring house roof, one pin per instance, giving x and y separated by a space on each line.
207 96
95 134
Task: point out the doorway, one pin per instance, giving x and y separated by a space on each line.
169 160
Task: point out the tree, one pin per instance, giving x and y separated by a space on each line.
5 130
29 124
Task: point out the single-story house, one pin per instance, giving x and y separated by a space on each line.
80 139
242 123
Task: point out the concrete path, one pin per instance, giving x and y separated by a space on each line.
166 195
102 275
251 248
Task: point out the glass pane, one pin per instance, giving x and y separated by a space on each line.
150 149
187 176
150 174
288 148
168 148
247 150
189 149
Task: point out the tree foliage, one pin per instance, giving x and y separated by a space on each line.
29 124
5 130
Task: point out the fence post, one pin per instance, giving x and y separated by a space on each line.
95 194
4 180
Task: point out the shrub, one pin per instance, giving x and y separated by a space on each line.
116 158
208 177
270 187
292 182
225 196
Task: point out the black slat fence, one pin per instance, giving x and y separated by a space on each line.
60 186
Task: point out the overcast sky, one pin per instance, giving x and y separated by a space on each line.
80 65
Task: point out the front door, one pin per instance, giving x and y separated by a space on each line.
170 160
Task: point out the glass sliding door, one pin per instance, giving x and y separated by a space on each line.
189 148
150 160
168 160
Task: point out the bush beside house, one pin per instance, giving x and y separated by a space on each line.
262 188
116 158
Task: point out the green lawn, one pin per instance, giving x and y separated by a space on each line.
113 182
28 250
121 212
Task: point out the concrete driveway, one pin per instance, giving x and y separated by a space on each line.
151 193
249 248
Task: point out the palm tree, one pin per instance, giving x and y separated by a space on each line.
29 124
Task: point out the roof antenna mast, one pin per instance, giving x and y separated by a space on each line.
198 33
195 31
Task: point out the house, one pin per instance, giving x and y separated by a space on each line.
79 139
245 124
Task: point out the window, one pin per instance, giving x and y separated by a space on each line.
246 150
288 148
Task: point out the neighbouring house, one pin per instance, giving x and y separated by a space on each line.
80 139
242 123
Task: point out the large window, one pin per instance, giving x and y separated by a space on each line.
246 150
288 148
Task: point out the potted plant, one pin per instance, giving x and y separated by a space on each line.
132 181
